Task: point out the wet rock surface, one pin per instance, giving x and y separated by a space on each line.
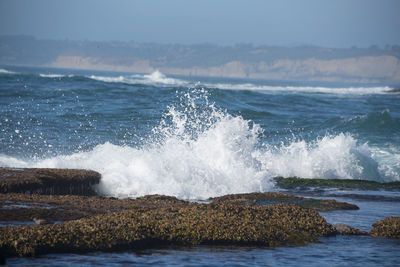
278 197
139 227
24 207
393 91
48 181
80 222
345 229
389 227
307 183
375 198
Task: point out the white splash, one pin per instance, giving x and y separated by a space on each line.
199 151
332 157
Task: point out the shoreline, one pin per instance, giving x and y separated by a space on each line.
84 223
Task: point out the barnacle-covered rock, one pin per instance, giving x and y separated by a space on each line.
48 181
267 198
307 183
140 227
389 227
25 207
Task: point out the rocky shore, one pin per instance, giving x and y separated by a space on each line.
274 225
48 181
79 221
306 183
389 227
268 198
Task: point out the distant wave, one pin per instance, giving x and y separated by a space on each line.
303 89
50 75
4 71
155 78
159 79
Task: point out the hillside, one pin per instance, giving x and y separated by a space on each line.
305 63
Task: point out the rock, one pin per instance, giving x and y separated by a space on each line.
268 198
393 91
41 221
24 207
376 198
389 227
306 183
48 181
185 224
345 229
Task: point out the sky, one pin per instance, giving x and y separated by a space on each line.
327 23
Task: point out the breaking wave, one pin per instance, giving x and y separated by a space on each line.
302 89
4 71
199 151
54 75
155 78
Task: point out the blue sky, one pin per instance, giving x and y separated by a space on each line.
329 23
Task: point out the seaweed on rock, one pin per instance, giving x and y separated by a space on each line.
388 227
274 225
267 198
48 181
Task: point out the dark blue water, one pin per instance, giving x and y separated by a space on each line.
196 138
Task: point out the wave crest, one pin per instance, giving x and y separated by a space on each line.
199 151
4 71
156 78
54 75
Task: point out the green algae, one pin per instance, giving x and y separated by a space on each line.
190 224
48 181
269 198
307 183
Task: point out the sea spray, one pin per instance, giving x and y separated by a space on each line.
329 157
199 151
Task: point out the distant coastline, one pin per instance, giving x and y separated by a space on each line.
376 69
304 63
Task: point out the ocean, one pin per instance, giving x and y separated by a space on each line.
199 137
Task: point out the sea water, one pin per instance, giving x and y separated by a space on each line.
198 137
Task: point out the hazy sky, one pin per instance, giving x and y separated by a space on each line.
330 23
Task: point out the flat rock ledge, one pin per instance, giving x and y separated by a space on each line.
388 227
307 183
48 181
59 208
187 224
267 198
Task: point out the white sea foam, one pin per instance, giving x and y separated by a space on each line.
155 78
329 157
199 151
159 79
4 71
108 79
53 75
389 159
302 89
